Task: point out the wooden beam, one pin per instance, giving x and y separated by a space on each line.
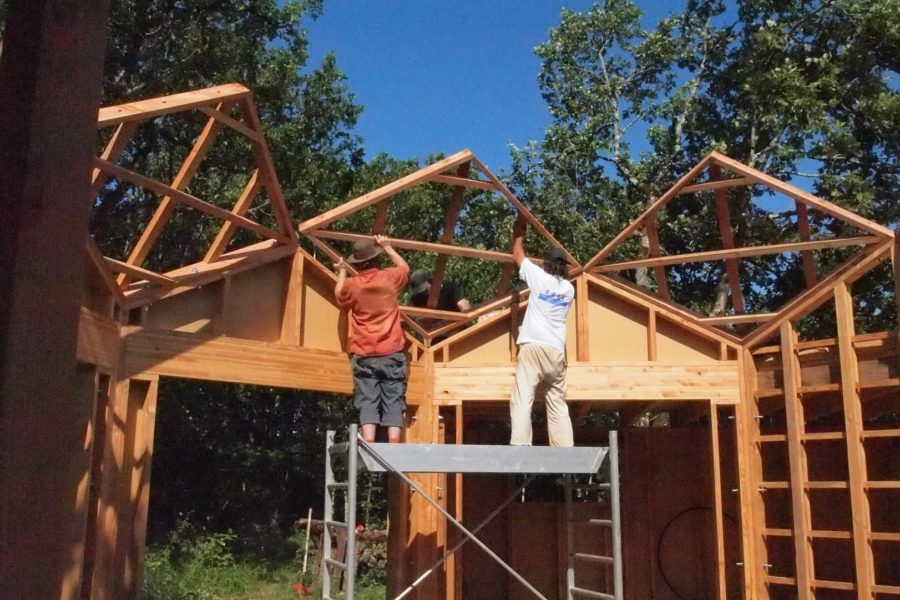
223 117
895 264
98 340
420 246
659 270
228 229
654 206
719 527
193 276
524 212
293 303
433 313
802 196
151 276
582 331
809 261
381 217
738 319
652 346
177 354
96 257
856 453
746 427
155 107
450 219
384 191
163 211
853 268
800 510
731 265
267 169
115 146
202 205
716 184
464 181
714 255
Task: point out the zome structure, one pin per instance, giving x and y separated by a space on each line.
756 463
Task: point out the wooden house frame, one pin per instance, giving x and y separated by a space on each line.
264 314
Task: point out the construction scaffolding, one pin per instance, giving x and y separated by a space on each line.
400 459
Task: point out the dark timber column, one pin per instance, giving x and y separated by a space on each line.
50 84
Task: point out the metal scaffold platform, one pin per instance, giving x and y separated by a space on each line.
471 459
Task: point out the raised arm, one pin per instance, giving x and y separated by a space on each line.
341 280
385 244
518 241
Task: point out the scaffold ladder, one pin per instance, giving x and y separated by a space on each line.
613 525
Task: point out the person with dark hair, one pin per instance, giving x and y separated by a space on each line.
377 346
450 298
542 344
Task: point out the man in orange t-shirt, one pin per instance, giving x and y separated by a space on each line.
377 356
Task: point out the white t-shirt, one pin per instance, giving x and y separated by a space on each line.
548 306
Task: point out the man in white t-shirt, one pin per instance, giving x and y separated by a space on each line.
542 344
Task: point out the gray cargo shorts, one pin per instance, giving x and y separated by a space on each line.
379 388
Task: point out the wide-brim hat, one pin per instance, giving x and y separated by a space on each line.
363 251
418 281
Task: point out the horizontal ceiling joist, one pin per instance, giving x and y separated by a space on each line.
738 319
716 185
714 255
421 246
463 181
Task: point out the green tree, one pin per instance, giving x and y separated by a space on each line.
779 86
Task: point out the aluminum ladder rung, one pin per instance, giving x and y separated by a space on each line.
337 486
590 486
592 594
608 560
336 564
603 522
340 524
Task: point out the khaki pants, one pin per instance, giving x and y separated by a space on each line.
544 366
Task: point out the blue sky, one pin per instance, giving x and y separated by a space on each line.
437 76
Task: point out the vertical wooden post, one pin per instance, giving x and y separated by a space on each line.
293 308
582 339
797 458
731 264
809 260
895 263
856 454
659 271
651 335
450 219
749 475
717 502
50 86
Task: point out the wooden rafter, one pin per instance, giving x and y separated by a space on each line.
731 264
221 115
733 253
97 258
384 191
450 220
192 201
651 210
852 269
135 271
798 194
267 168
228 229
164 210
524 212
123 134
198 274
155 107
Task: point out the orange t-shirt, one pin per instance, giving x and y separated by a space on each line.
372 298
